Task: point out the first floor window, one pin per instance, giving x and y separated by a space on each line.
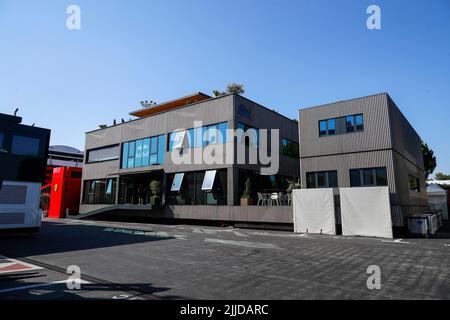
176 184
101 191
208 181
368 177
321 179
414 183
143 153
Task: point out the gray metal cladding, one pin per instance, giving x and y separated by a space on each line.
375 136
209 112
255 115
344 162
405 140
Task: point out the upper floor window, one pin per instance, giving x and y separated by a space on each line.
143 153
247 134
103 154
321 179
25 146
369 177
289 148
341 125
198 137
414 183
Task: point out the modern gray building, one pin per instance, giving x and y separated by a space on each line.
129 165
364 142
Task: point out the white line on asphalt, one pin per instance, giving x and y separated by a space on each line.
446 245
40 285
244 243
396 241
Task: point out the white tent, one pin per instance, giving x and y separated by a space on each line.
437 199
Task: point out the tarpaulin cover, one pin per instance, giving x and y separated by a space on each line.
314 211
366 212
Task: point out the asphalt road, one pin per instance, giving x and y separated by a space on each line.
146 261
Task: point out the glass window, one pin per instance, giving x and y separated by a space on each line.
161 148
178 179
381 177
103 154
138 157
350 123
208 181
102 191
355 178
368 177
222 127
322 127
321 179
211 135
414 183
178 139
131 154
359 122
310 180
289 148
146 152
332 179
125 155
25 146
331 129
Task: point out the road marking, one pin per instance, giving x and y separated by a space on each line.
243 243
8 265
396 241
40 285
446 245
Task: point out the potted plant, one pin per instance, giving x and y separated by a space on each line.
155 189
246 199
292 184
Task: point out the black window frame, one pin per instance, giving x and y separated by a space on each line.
377 174
341 125
88 152
316 174
416 180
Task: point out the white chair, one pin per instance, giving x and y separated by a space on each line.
262 200
275 198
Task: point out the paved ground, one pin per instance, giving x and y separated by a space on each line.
144 261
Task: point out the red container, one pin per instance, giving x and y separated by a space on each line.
65 192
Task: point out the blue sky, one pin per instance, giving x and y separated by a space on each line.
289 55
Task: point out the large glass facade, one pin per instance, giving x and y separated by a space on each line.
198 188
199 137
143 153
249 135
102 191
261 184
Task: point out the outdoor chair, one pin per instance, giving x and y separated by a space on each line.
262 200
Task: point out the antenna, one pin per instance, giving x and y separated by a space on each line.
15 111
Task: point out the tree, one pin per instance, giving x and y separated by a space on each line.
231 88
429 159
441 176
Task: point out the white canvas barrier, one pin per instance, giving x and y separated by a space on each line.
366 212
314 211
